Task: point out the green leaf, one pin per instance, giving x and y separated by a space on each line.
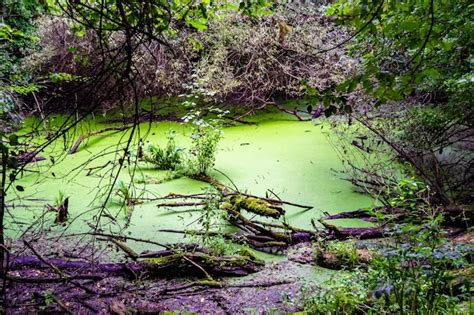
409 25
13 140
199 24
12 162
331 110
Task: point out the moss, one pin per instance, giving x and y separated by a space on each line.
247 252
255 205
227 261
165 260
226 205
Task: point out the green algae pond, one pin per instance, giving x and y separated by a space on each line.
293 160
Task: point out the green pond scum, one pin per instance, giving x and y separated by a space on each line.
291 159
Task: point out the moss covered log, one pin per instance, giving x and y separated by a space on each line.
252 204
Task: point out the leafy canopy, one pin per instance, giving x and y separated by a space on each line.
408 45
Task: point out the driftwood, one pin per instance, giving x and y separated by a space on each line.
78 142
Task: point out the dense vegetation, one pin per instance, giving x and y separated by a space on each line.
391 80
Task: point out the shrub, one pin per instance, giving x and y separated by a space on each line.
243 61
205 141
344 294
238 59
412 275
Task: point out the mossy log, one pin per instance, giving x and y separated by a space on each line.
333 261
237 265
253 205
237 201
163 263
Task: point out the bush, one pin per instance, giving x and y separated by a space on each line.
237 60
205 141
243 61
412 275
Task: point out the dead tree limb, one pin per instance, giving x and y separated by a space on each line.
81 138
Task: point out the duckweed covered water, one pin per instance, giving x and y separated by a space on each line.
292 159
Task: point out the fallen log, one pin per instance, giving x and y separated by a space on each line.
331 260
81 138
453 216
360 233
162 264
254 205
270 242
29 157
356 214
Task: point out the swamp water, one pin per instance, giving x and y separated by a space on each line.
293 159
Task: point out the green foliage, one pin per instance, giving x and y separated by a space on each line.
407 45
9 143
212 216
414 272
59 200
211 210
168 158
345 252
205 141
48 298
153 17
412 275
345 294
408 194
198 160
16 34
127 197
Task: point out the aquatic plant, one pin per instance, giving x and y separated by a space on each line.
198 160
127 195
167 158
